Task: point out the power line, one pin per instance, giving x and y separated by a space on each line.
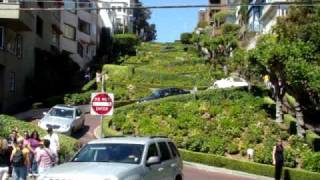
218 6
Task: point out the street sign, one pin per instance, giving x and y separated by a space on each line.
102 104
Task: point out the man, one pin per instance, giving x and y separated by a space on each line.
54 143
20 160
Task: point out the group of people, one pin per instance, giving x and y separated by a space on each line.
27 154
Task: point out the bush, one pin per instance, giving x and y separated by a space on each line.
311 161
313 140
125 44
245 166
291 123
186 38
233 148
78 98
68 145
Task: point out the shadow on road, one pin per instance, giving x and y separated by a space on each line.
82 132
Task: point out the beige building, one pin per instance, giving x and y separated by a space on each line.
80 32
21 33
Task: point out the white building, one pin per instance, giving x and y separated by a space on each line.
80 32
119 19
270 13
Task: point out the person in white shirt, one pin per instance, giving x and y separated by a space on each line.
54 142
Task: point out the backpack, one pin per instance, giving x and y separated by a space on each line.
17 159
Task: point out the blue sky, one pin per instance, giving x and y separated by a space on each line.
171 23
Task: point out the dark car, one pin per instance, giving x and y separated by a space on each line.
161 93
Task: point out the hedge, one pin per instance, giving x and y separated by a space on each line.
313 140
246 166
68 144
291 123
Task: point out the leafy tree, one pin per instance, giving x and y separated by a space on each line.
105 46
146 31
125 44
186 38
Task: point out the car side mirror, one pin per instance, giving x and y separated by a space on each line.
153 160
45 113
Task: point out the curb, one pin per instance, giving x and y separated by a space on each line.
225 171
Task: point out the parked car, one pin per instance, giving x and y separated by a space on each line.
63 119
122 158
229 83
161 93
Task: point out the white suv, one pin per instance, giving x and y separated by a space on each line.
122 158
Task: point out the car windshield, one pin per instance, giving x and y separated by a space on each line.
116 153
65 113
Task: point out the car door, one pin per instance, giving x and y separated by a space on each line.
155 171
176 163
166 160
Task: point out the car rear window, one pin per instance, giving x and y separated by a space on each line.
165 153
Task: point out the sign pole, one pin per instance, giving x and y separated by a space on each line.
102 134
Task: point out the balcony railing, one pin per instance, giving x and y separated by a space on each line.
14 18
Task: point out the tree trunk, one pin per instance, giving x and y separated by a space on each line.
279 113
299 118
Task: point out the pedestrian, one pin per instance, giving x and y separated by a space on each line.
26 138
54 143
12 140
98 78
20 160
34 144
4 159
45 158
278 159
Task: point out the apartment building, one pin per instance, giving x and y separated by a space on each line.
270 13
118 19
80 30
22 34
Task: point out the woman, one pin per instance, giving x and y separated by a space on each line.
4 159
278 159
34 141
20 160
44 156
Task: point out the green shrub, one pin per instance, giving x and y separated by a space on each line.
290 158
125 44
78 98
245 166
263 154
313 140
68 145
233 148
291 123
186 38
311 161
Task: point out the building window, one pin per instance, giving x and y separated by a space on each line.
12 82
119 9
55 37
69 32
11 42
19 45
1 37
84 27
80 49
85 4
39 26
41 4
70 5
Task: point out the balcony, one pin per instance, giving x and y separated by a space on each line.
271 8
15 19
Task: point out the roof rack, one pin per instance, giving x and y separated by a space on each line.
158 137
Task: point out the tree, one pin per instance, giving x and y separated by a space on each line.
143 29
280 59
185 38
124 44
105 46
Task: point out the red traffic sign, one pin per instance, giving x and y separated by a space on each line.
102 104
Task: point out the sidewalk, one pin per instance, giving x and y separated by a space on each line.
225 171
